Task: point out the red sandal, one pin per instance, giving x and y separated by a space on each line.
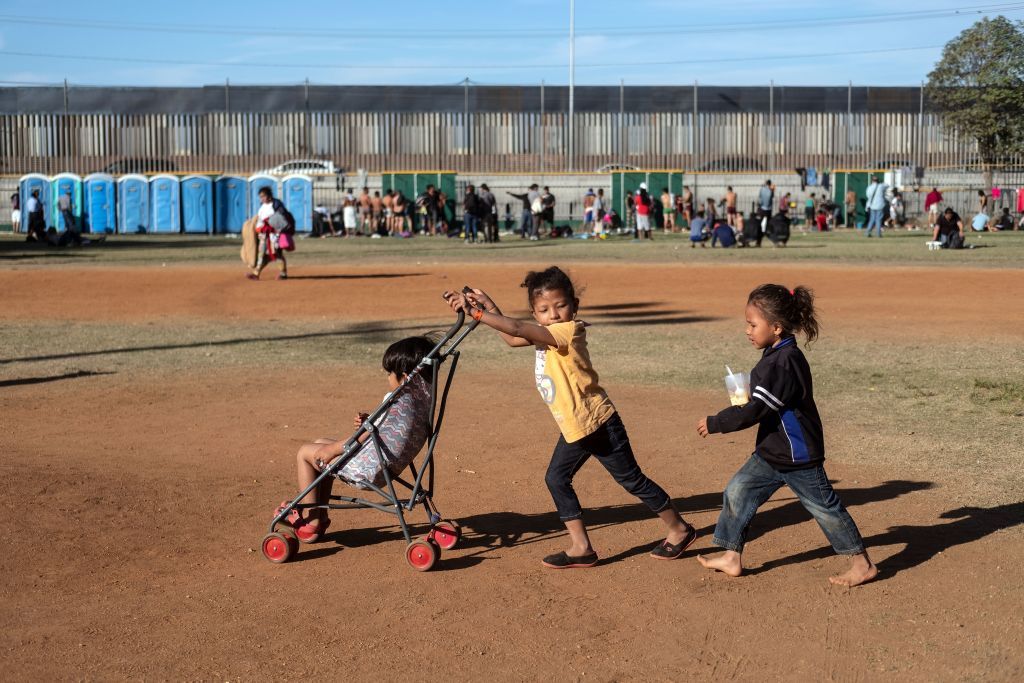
303 531
310 534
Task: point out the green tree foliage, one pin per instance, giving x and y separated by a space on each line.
978 85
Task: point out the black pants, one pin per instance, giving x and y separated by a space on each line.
610 445
36 227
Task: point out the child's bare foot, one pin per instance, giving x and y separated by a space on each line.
728 563
861 570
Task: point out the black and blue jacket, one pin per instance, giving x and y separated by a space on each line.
789 434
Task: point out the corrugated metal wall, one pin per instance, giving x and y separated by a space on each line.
513 142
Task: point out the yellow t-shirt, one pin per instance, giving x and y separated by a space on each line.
568 382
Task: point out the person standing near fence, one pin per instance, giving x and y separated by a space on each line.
851 209
643 214
527 227
668 208
588 211
490 214
765 201
875 196
15 213
66 206
36 219
687 204
933 205
730 205
547 214
470 215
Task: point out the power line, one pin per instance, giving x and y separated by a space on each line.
475 33
465 67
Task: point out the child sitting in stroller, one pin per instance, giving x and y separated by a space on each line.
403 430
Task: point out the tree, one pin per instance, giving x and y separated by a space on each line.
978 85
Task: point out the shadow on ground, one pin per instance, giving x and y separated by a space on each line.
485 533
52 378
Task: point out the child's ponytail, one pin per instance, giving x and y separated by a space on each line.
791 309
803 312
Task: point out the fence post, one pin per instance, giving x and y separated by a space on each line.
849 123
771 123
543 129
66 137
693 129
622 111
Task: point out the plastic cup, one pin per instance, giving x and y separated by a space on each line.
738 386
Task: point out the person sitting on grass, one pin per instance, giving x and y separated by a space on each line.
778 229
403 430
723 234
1005 221
949 230
980 222
790 445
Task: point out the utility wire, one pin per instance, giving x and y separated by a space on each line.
465 67
351 33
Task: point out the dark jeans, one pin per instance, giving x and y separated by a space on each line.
755 483
69 220
471 225
610 445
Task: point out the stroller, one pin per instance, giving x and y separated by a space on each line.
281 543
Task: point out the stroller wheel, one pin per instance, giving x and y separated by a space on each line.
422 554
278 547
446 533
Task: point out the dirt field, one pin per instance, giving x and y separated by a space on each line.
138 491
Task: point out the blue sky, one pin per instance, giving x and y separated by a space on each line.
644 42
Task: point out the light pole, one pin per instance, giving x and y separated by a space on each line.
572 78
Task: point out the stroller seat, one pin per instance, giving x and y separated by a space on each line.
403 430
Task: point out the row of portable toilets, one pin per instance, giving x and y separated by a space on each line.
134 204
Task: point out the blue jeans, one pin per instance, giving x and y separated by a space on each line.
875 218
755 483
610 445
471 224
526 223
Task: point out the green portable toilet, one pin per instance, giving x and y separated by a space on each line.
858 182
628 182
414 183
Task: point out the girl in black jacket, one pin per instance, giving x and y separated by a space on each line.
790 448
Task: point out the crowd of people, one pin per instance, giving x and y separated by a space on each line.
393 214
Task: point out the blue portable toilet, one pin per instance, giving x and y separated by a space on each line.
255 183
231 194
100 212
297 195
61 184
132 204
165 204
26 185
197 203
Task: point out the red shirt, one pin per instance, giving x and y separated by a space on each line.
934 197
822 221
642 209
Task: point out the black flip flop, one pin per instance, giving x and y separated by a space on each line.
668 551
